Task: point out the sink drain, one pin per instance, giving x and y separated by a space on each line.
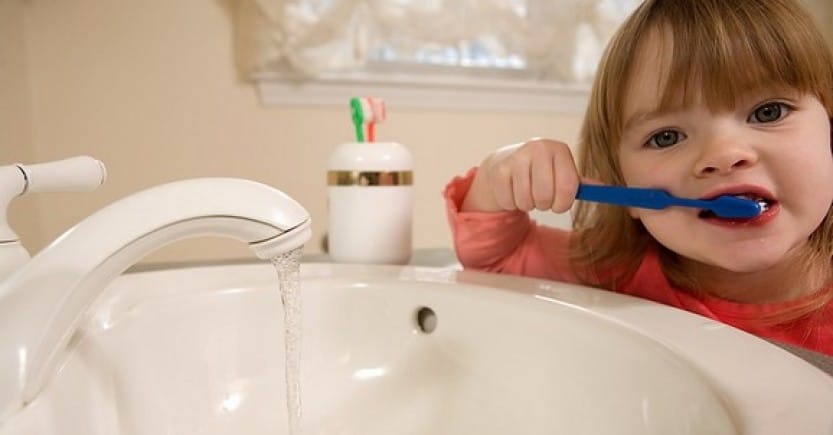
426 320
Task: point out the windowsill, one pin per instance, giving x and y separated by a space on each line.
423 92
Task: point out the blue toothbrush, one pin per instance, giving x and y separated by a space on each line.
725 206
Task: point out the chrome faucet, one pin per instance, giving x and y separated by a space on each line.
43 302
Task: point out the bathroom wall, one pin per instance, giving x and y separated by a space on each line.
151 89
822 10
15 121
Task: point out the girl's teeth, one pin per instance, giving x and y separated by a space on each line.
763 205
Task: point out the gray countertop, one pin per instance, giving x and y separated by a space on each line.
821 361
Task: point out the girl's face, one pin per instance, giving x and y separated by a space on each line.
773 145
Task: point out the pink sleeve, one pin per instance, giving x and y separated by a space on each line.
506 242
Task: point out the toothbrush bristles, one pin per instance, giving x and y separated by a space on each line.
373 112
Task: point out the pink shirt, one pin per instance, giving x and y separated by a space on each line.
510 242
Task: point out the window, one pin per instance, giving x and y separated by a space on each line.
472 54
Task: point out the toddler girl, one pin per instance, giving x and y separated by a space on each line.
701 98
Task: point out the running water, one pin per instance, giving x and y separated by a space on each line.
288 267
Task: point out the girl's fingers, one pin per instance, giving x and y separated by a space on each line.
521 190
566 180
543 181
537 174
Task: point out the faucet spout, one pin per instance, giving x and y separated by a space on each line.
43 303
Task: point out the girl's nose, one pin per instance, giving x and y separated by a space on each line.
724 157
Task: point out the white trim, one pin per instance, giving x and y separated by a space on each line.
426 92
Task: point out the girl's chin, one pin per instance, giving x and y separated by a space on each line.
740 264
746 269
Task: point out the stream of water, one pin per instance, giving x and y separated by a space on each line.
288 267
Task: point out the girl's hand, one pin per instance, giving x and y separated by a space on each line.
539 174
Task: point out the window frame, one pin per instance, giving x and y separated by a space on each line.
425 92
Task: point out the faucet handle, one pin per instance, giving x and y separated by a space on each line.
75 174
80 173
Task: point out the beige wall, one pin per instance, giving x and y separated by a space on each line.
15 121
822 11
151 89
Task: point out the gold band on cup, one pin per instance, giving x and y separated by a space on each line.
370 178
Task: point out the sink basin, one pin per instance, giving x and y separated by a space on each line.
410 350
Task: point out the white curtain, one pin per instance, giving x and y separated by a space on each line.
557 39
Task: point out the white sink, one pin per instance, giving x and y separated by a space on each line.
200 351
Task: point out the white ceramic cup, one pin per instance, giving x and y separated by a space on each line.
370 202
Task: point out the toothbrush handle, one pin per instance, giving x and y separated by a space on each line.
656 199
625 196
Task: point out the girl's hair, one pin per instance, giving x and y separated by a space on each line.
722 50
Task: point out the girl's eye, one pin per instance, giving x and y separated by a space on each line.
665 139
769 112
